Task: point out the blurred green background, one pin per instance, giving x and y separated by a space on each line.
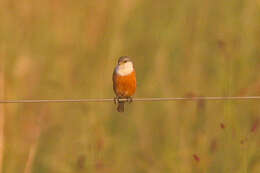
61 49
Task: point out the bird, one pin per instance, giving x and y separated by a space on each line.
124 81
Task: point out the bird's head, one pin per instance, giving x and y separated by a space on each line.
125 66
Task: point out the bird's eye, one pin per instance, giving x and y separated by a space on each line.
125 61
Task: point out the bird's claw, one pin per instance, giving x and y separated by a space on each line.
116 100
129 100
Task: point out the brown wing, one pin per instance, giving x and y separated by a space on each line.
114 80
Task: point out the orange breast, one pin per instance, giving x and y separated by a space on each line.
124 86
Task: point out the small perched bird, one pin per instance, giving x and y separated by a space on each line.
124 81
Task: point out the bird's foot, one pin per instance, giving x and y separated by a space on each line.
129 100
116 100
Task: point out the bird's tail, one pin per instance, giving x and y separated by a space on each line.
121 107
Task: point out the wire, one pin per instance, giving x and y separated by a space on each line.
134 99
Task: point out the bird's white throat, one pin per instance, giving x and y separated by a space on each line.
124 69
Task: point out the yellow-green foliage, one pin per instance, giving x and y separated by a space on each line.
67 49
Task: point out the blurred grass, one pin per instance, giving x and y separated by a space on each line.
64 49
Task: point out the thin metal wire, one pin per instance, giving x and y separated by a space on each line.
134 99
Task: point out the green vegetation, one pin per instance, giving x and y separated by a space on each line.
68 49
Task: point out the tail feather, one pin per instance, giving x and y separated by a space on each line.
121 107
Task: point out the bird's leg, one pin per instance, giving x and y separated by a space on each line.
129 100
